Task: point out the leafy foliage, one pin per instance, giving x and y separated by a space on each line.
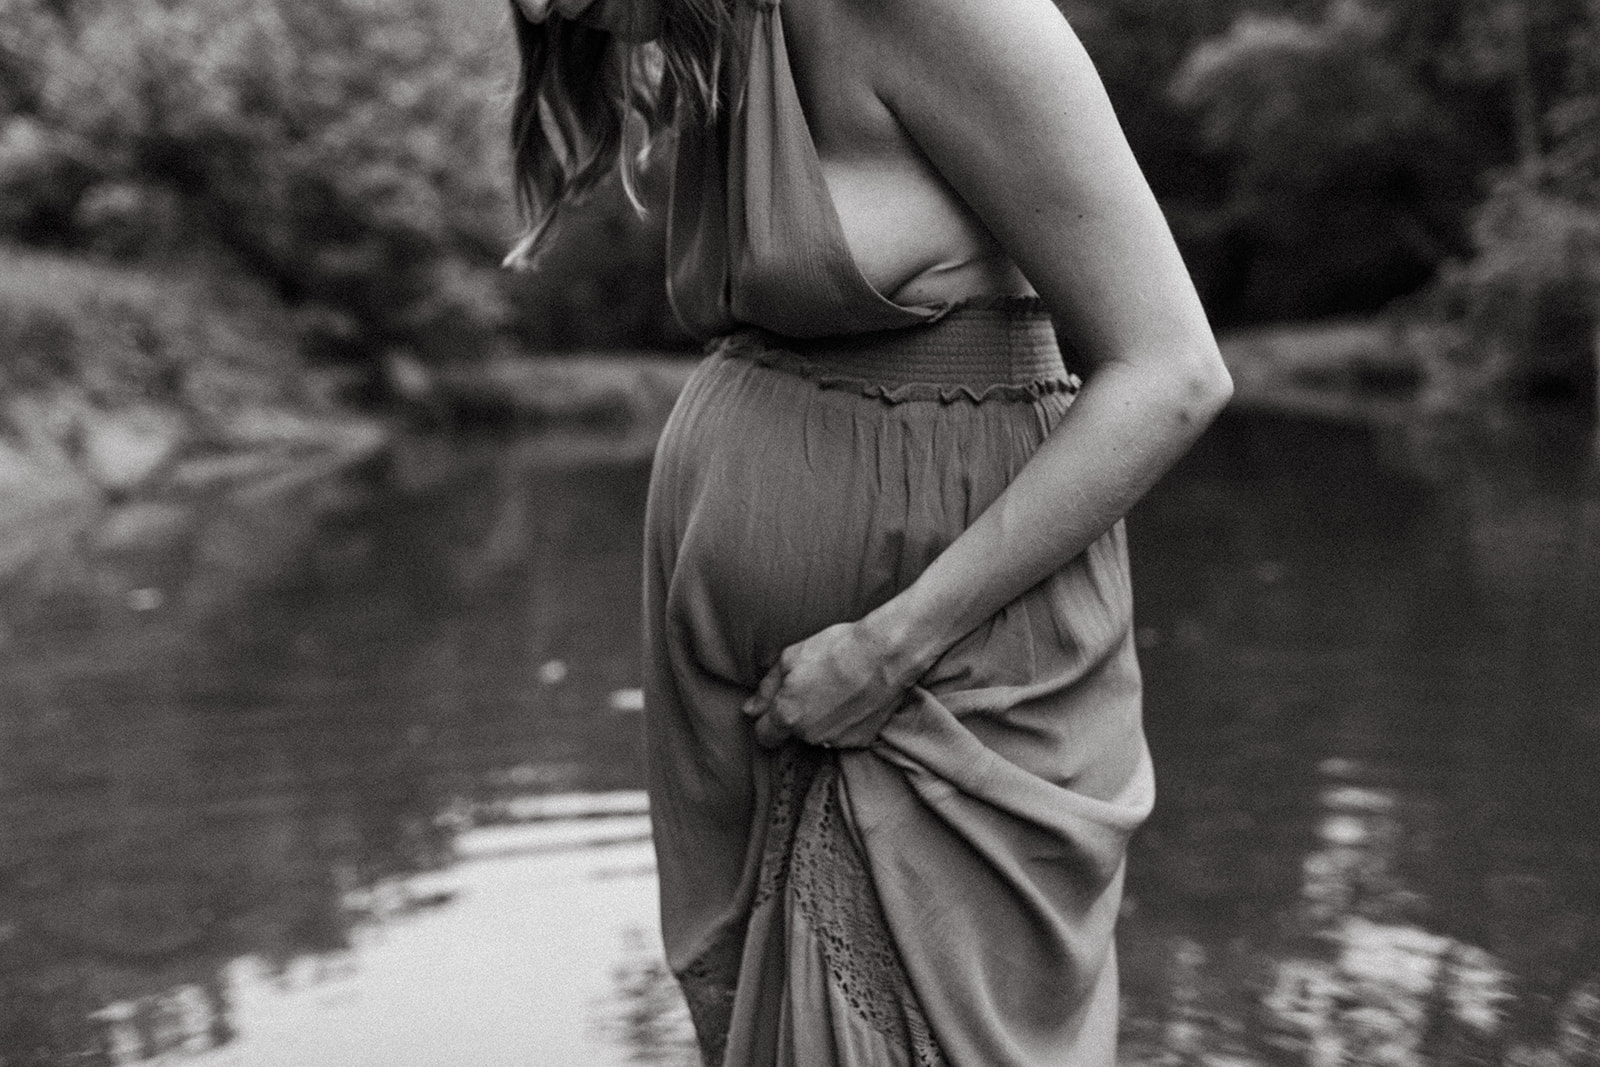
1526 305
347 152
1364 140
1325 136
1315 156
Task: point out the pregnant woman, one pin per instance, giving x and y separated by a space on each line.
892 701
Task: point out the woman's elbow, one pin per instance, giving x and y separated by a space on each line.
1202 383
1213 384
1186 381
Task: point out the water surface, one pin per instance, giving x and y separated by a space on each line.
255 752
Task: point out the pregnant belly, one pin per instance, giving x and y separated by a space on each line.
791 536
801 506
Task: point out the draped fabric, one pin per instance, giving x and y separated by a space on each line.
948 895
753 236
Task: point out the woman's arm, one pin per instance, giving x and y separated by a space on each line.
1002 98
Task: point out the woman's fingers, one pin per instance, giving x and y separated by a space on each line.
761 700
825 690
770 727
784 721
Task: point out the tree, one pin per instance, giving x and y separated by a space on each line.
343 151
1526 304
1332 156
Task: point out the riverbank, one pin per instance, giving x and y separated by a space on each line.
1374 371
1349 371
1359 370
75 449
604 391
136 385
122 386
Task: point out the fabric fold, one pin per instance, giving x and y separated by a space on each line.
765 247
967 868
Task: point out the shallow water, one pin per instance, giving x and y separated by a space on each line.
271 766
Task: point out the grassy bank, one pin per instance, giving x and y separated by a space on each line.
1357 370
120 384
1350 370
123 384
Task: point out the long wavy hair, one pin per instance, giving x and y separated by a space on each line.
591 102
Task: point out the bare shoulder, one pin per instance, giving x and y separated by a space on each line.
992 86
1002 99
925 59
982 40
988 79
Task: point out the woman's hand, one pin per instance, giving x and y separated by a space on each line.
836 688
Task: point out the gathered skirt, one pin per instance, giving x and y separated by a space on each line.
948 894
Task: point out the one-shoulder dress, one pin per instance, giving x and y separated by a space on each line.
948 894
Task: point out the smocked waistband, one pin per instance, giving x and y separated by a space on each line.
992 349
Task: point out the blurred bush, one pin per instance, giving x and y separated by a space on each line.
1521 316
1331 150
1521 319
1316 157
111 375
1373 149
345 153
207 343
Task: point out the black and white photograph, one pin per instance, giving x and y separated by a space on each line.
799 533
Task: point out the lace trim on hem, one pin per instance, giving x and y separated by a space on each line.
830 886
710 982
811 857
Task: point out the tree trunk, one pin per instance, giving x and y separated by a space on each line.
1525 97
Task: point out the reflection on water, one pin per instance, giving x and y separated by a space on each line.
222 727
650 1016
1374 675
255 754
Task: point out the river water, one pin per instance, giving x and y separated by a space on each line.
293 776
